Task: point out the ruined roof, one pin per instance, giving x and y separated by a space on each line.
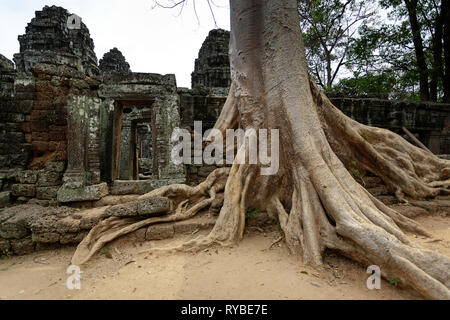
5 63
114 61
51 30
212 68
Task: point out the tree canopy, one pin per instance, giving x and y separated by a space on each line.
396 48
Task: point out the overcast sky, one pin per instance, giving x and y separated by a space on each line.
152 40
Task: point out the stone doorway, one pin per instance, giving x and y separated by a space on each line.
139 114
136 144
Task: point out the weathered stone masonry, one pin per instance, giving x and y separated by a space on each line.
134 98
52 99
73 132
427 120
61 114
69 127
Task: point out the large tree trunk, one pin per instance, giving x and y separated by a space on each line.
446 15
319 204
438 67
422 68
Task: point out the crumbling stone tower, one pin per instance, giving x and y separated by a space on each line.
114 61
71 131
48 34
212 68
62 118
52 110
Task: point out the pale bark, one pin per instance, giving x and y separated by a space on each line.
319 204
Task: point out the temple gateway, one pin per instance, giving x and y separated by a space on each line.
73 130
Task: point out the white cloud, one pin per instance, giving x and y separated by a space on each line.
152 40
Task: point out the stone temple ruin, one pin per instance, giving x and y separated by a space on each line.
73 131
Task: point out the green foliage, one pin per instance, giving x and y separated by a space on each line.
328 29
356 173
394 281
388 85
383 57
372 42
5 254
105 250
252 213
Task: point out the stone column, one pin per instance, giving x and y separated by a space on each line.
77 133
125 150
81 141
166 119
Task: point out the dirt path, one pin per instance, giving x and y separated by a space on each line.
249 271
252 270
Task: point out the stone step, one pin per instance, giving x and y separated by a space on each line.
169 231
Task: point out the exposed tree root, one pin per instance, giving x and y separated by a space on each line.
319 204
113 228
404 168
229 228
328 210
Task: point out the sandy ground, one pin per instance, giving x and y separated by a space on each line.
252 270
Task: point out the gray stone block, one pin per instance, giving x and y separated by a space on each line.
153 206
160 232
22 246
46 193
23 190
49 179
13 229
59 166
46 237
28 177
89 193
5 199
123 210
90 218
72 238
68 225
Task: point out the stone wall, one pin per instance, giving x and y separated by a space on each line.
68 130
46 96
14 151
201 104
55 65
430 122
